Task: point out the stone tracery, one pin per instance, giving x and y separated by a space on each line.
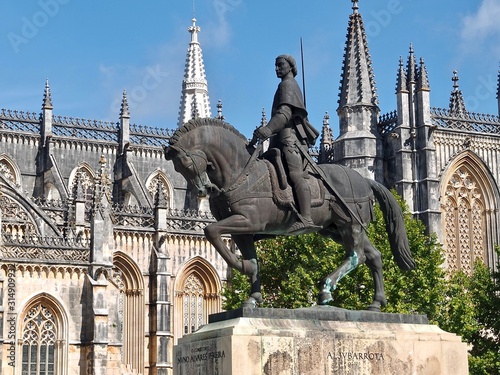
463 220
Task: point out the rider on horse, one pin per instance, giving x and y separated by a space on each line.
293 136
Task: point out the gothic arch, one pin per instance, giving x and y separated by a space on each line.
17 220
84 176
197 295
43 335
159 180
10 170
470 222
128 278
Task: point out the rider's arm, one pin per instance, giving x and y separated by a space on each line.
277 122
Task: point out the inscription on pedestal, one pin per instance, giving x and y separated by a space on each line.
347 361
200 359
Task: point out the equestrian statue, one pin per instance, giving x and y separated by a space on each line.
255 195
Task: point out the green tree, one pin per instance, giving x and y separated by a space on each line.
470 309
292 267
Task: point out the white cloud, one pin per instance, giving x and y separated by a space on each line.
485 23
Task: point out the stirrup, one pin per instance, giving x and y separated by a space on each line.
302 226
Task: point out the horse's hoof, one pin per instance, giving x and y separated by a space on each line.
324 298
375 306
257 296
250 302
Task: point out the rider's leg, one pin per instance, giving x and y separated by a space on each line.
303 193
301 188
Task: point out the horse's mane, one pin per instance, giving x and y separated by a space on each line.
197 122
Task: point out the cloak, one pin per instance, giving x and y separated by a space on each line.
288 92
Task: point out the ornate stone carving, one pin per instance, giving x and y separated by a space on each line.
463 211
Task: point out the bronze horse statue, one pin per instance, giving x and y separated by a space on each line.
250 201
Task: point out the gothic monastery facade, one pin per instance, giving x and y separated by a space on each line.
103 262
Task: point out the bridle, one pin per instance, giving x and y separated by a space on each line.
201 180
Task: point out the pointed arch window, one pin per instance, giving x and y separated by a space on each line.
197 295
130 309
464 221
192 304
39 342
159 189
7 171
83 183
16 221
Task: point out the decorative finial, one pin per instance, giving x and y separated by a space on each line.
401 82
220 116
263 118
124 111
326 119
355 6
47 98
457 103
411 69
455 80
423 79
194 30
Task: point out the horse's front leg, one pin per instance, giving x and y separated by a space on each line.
242 231
246 245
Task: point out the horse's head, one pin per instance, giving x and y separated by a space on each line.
209 153
192 165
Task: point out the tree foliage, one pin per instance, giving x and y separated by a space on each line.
470 309
468 305
292 267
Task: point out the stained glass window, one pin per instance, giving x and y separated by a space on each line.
192 304
39 337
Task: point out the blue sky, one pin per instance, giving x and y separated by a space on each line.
92 50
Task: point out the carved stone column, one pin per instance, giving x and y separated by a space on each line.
97 358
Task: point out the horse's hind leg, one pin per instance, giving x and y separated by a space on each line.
246 245
352 238
374 262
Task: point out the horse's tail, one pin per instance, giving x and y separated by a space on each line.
394 224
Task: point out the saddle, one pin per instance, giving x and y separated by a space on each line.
281 189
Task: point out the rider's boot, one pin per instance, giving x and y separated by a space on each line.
305 222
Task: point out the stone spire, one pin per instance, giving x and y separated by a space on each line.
124 134
357 83
124 110
359 145
423 77
263 118
401 85
220 116
326 131
47 107
325 145
457 103
47 98
194 98
411 67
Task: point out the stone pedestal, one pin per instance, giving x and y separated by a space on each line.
319 340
